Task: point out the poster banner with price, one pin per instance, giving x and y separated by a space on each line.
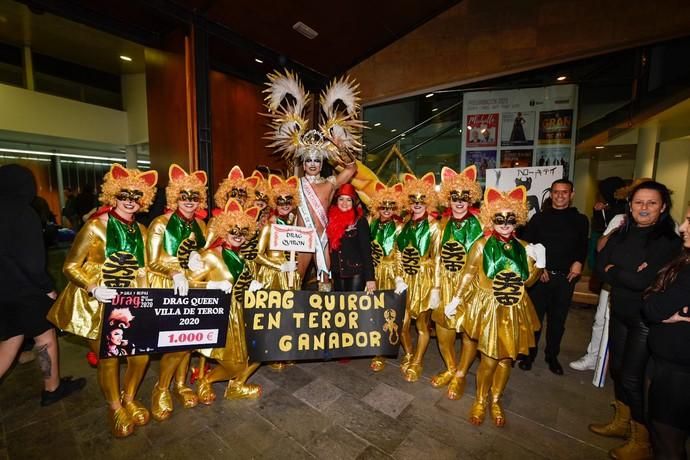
144 321
307 325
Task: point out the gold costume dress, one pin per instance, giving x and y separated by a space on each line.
269 262
384 254
498 313
221 264
418 243
172 238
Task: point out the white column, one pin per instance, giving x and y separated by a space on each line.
28 69
131 156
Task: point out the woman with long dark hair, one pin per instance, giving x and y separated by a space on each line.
666 308
630 262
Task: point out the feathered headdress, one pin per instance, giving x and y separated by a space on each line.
120 318
234 186
421 189
257 187
120 178
464 183
288 187
339 135
496 201
386 196
234 215
181 181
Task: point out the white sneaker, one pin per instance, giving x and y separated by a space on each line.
586 363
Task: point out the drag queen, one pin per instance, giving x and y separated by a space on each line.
172 238
418 243
109 252
384 229
459 231
498 314
225 269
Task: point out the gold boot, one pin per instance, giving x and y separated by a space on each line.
497 414
205 391
237 390
456 388
413 372
161 403
478 412
140 414
638 446
619 427
405 362
121 423
377 363
186 396
442 378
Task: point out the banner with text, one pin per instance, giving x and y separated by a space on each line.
143 321
306 325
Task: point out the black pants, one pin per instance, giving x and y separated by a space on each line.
356 283
552 300
628 358
669 406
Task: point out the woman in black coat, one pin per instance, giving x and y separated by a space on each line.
352 268
630 262
666 308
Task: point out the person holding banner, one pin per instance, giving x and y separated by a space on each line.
173 241
418 244
108 252
274 265
459 232
224 268
497 313
352 268
384 230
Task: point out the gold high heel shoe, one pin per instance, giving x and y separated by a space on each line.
161 403
242 391
121 423
186 396
442 378
456 388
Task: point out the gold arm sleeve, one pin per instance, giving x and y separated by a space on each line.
159 261
89 235
472 268
263 248
435 251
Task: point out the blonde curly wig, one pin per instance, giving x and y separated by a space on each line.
502 202
225 221
392 194
458 182
121 178
187 183
422 186
287 187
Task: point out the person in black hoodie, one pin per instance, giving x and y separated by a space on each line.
563 230
630 262
26 290
666 308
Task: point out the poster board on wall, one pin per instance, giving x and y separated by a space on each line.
520 128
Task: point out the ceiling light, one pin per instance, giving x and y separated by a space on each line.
258 60
618 156
429 95
599 147
393 130
125 58
402 135
377 124
561 78
469 127
305 30
434 109
62 155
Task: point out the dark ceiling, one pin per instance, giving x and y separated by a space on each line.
242 31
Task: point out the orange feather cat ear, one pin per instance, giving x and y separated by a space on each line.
292 181
252 212
274 181
118 172
519 193
232 206
429 178
470 172
398 188
175 172
149 177
492 195
379 187
258 174
235 173
252 181
407 177
201 175
447 174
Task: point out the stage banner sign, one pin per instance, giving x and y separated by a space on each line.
144 321
292 238
311 325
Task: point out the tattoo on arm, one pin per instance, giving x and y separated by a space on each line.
44 360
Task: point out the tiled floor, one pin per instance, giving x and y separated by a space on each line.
324 410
